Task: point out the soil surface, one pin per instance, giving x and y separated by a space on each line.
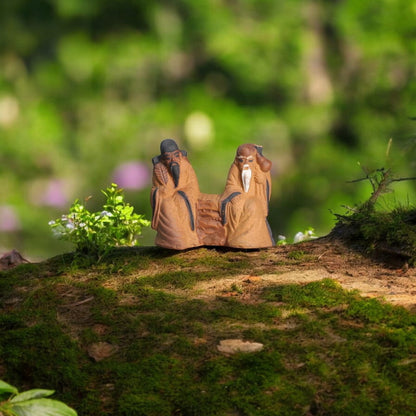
385 276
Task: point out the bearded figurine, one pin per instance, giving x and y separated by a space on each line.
174 197
244 204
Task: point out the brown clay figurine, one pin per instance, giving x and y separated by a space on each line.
184 217
245 201
174 196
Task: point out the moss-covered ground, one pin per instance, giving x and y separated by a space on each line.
161 315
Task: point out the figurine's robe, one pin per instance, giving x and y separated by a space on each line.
174 208
244 214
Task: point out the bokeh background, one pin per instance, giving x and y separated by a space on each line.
88 89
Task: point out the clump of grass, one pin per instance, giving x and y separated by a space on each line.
296 255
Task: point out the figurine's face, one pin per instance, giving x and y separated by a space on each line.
172 161
171 158
245 161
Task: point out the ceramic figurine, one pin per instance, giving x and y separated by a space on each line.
245 201
174 196
184 217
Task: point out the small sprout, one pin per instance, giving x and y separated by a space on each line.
236 288
281 240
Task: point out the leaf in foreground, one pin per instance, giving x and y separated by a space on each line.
39 407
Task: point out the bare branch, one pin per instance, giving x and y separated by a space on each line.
358 180
404 179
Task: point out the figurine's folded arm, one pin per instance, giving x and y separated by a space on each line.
189 208
264 181
155 207
223 206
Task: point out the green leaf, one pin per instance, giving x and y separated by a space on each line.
42 407
32 394
7 388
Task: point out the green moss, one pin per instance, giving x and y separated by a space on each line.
143 405
230 308
392 232
182 279
324 293
42 355
325 350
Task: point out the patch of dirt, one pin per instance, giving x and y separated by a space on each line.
384 277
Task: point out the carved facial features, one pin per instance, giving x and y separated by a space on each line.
245 161
172 161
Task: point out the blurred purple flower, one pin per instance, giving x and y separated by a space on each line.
9 220
54 195
132 175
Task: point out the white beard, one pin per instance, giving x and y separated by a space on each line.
246 177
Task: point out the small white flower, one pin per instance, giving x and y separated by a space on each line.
307 235
82 224
299 237
51 222
106 214
70 226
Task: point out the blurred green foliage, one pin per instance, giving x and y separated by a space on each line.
86 86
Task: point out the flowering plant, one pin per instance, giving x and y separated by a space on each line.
97 232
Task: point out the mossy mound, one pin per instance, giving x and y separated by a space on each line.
390 234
